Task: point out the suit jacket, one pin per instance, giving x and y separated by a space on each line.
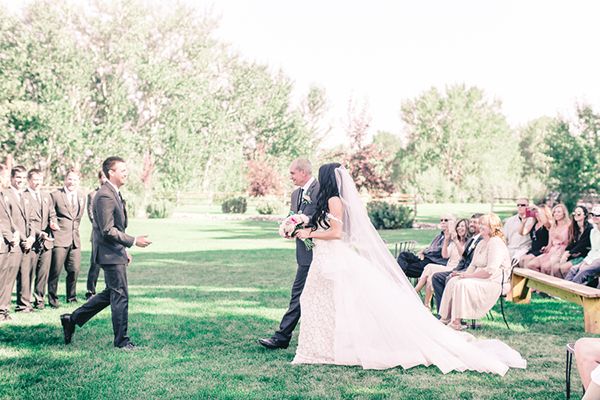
303 256
42 213
90 204
110 221
467 254
6 226
68 219
20 213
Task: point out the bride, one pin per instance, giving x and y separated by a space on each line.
357 306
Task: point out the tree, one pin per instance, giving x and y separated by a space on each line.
459 147
574 149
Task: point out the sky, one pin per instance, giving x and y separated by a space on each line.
536 57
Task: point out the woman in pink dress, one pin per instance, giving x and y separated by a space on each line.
557 243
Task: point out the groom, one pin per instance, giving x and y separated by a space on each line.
110 251
304 201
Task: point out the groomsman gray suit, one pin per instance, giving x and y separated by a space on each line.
67 244
40 257
299 204
20 215
109 250
94 271
6 231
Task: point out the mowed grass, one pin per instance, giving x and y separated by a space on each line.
203 293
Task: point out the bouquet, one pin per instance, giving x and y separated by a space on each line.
290 225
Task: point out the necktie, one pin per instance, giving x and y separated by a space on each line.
300 193
123 204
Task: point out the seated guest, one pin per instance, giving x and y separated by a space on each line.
440 279
579 246
518 243
557 241
587 357
590 266
471 294
453 247
413 265
536 226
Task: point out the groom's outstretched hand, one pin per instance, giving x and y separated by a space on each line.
142 241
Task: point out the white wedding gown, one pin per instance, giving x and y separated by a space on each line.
355 311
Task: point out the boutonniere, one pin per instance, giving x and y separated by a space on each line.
306 198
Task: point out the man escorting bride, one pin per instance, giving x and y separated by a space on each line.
357 306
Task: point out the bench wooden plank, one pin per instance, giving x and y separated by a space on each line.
523 280
552 281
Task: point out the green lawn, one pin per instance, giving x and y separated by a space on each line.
200 297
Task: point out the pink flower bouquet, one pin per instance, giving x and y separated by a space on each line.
290 225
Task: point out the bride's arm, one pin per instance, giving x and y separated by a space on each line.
335 231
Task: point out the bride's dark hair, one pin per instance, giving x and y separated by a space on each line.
327 189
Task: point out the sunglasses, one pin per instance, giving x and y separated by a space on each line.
595 215
444 219
521 205
578 214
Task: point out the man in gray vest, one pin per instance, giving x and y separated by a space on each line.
8 239
69 205
20 215
43 217
304 200
110 245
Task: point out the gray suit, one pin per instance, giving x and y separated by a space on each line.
6 236
67 245
40 257
20 215
109 250
303 258
94 271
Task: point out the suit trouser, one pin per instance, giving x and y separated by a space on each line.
292 316
116 294
92 278
439 281
577 275
70 258
9 277
24 280
42 269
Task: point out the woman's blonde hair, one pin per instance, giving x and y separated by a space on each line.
565 213
495 225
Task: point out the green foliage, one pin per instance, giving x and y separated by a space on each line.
160 209
384 215
234 205
574 149
460 147
267 208
145 80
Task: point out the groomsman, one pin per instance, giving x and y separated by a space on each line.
110 251
94 271
7 238
20 213
69 206
304 200
43 219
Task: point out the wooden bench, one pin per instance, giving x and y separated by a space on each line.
589 298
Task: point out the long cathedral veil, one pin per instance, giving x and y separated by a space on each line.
360 233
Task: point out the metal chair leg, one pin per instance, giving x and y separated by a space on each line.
568 374
502 308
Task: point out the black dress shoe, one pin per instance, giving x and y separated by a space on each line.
55 305
68 327
73 300
129 347
271 343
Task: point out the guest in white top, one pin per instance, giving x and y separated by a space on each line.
518 244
